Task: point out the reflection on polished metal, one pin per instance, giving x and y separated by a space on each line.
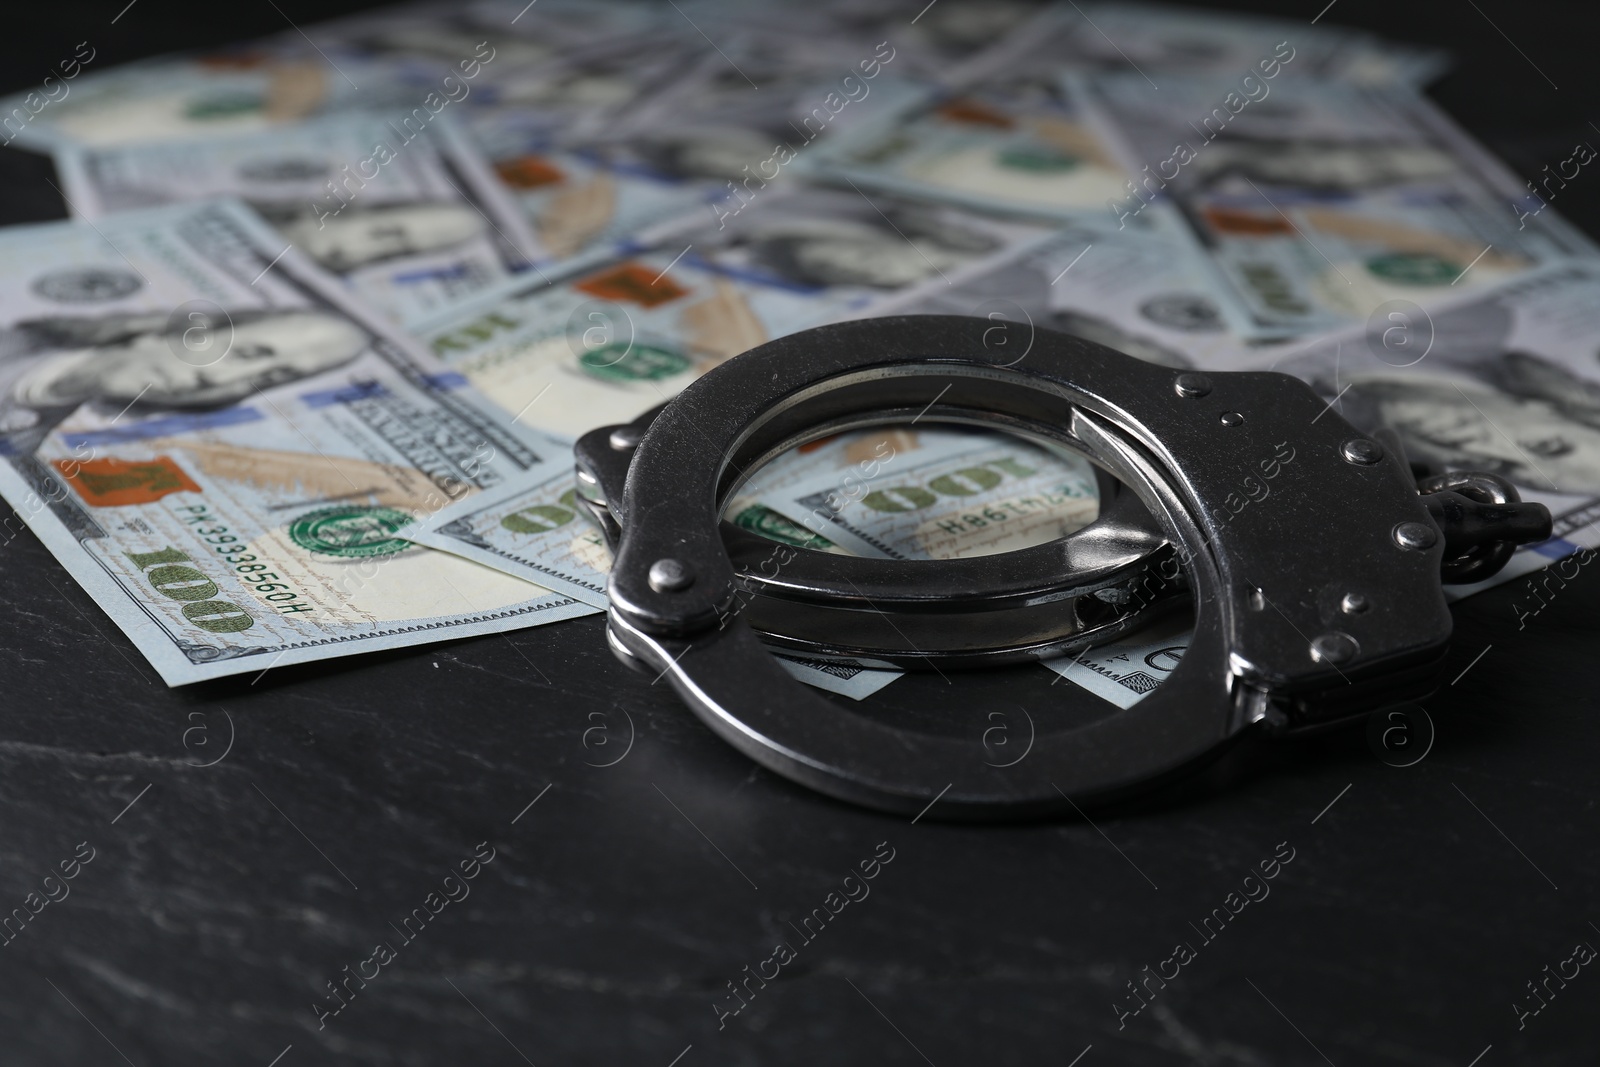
1053 599
1417 535
1483 521
1271 559
1361 450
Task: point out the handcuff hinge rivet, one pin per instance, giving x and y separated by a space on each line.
1415 535
670 575
1361 450
1354 604
1190 386
1333 648
1232 418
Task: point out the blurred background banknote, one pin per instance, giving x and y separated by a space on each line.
605 346
409 216
1315 201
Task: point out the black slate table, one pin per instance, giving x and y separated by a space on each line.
241 848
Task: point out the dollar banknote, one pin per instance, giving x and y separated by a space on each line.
924 493
1125 672
1000 134
1319 201
970 494
928 45
686 153
409 216
1163 39
952 40
845 677
532 528
562 63
601 202
606 346
1142 289
267 83
222 447
1502 380
813 86
838 456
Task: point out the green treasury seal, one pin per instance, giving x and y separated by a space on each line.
351 531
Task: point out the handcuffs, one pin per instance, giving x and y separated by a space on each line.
1312 606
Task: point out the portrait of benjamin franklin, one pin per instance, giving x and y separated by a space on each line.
1464 425
914 246
723 153
1464 394
1332 166
145 362
358 237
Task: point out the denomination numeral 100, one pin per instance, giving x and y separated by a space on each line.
965 482
167 572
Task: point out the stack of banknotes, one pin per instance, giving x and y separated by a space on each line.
301 376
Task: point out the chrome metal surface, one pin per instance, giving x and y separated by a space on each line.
1052 599
1273 529
1483 520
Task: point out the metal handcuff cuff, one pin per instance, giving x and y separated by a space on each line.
1319 607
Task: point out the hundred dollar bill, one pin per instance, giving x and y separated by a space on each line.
564 70
222 447
1125 672
1501 380
245 88
409 215
1142 290
928 47
844 677
602 348
1162 39
521 97
688 152
845 455
972 495
812 86
947 41
555 64
601 202
1318 201
532 528
1013 146
999 135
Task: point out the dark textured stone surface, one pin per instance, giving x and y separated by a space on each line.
618 906
608 923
